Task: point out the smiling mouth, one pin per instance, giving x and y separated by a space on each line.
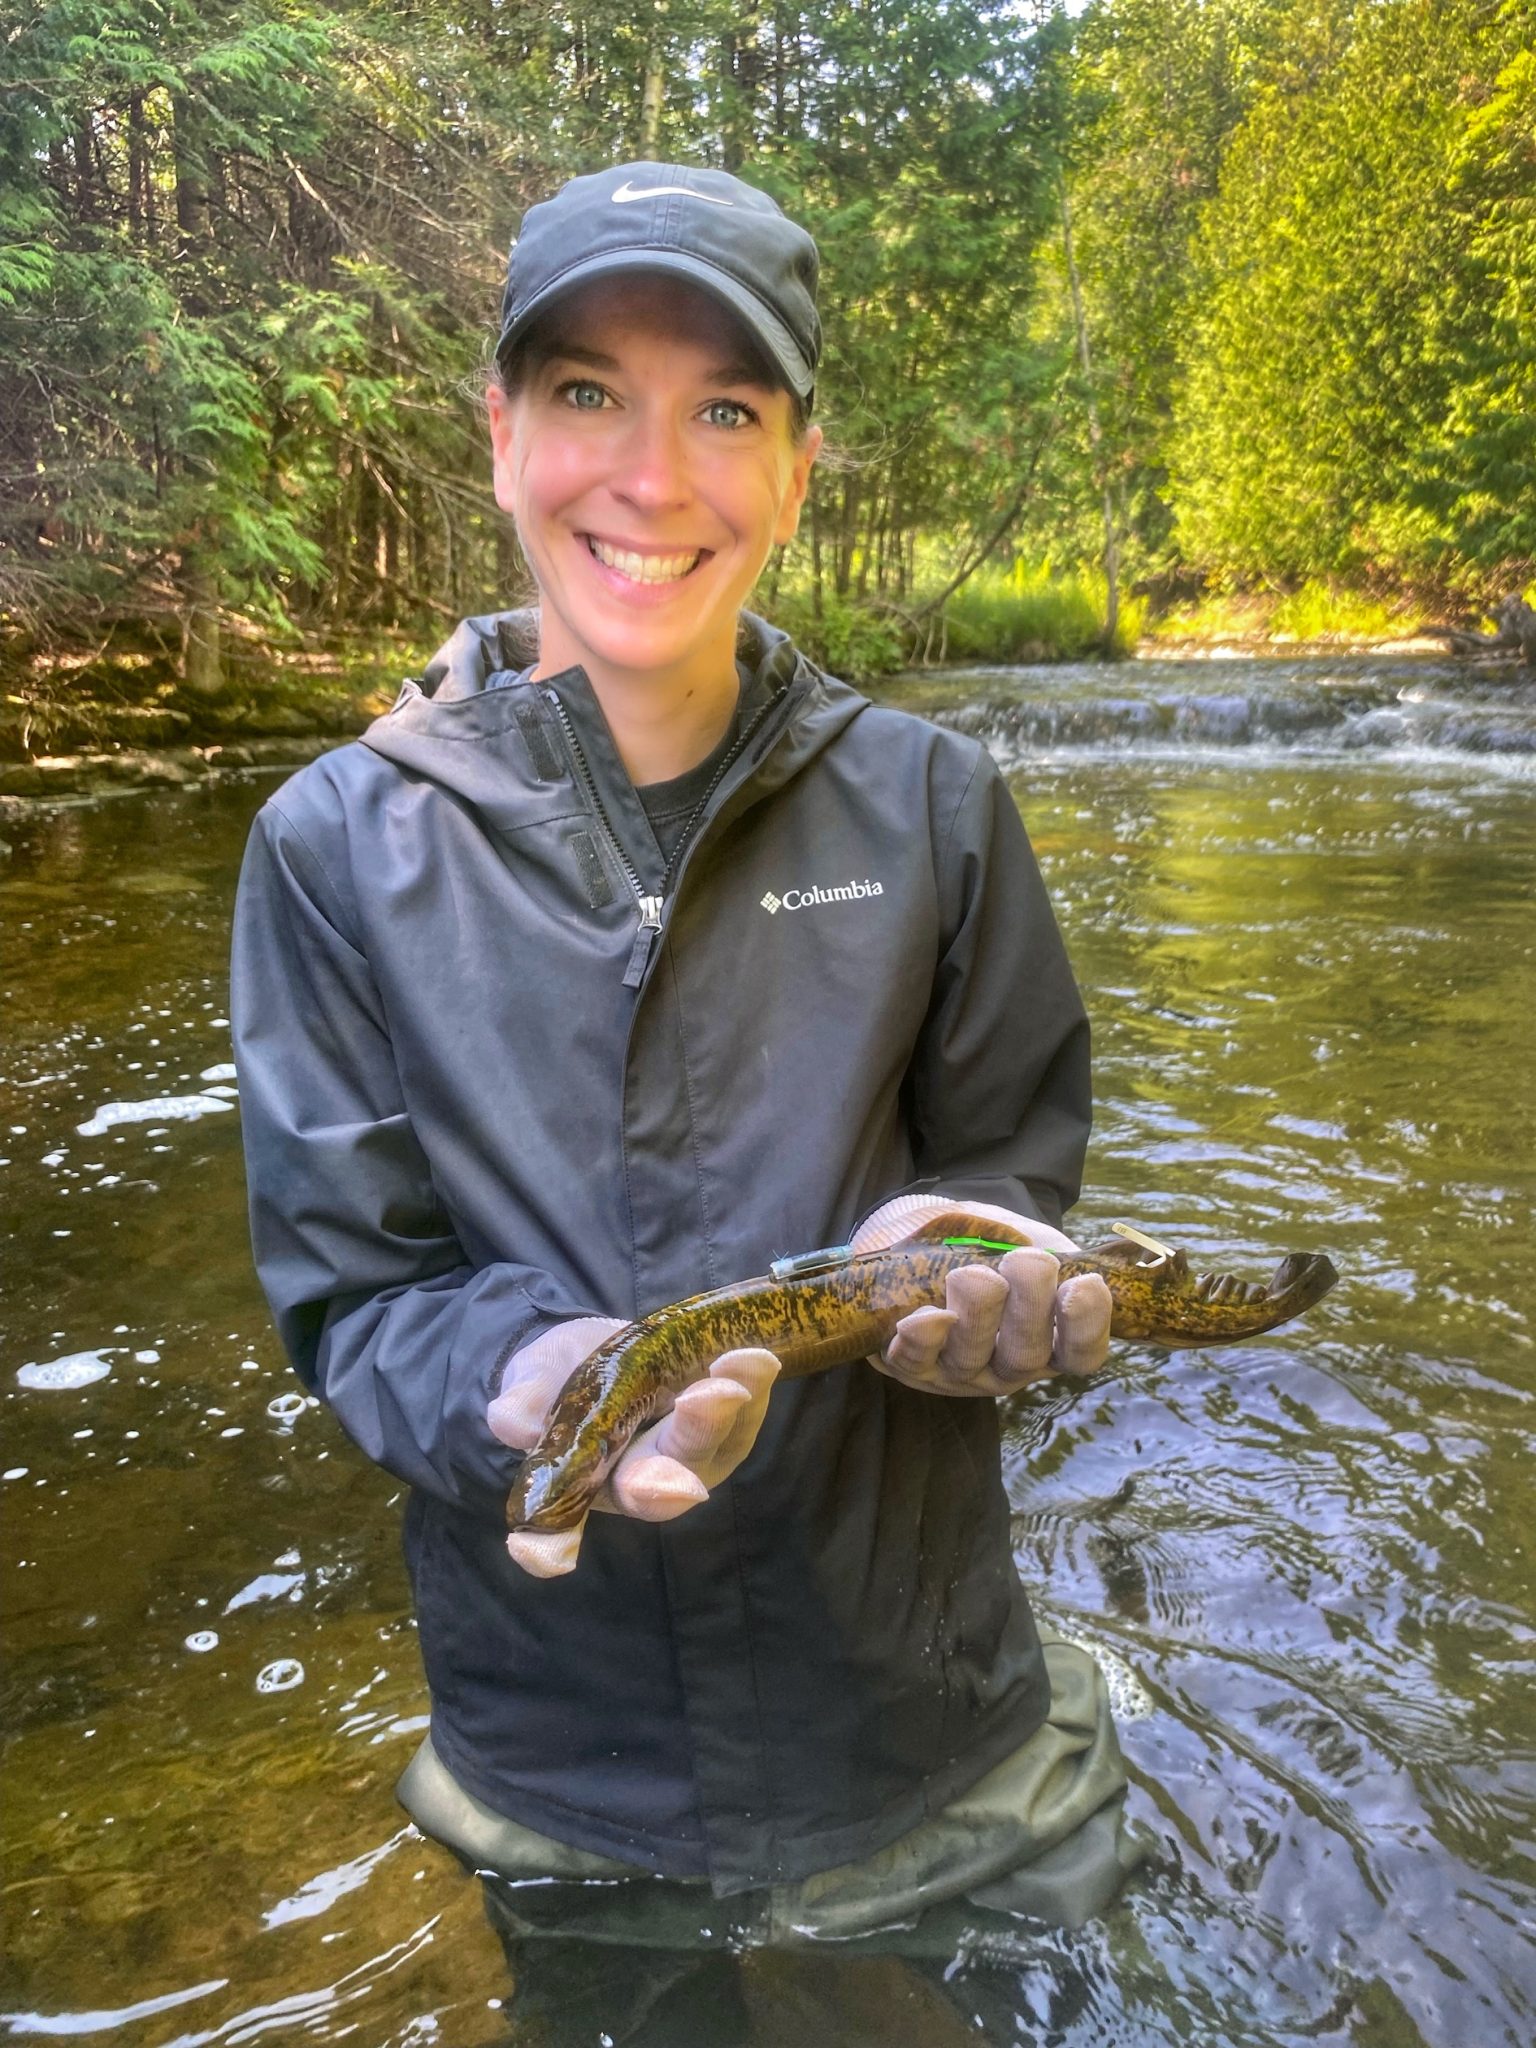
644 568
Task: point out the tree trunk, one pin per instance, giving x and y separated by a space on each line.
742 69
778 71
1095 437
202 650
191 170
85 177
415 540
365 539
138 171
848 535
866 554
390 565
816 584
654 87
890 527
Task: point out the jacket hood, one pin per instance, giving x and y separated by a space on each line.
492 644
475 724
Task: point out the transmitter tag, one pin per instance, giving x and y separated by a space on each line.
811 1262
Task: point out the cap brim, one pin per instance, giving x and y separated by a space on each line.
760 320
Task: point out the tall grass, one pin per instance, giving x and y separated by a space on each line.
1031 612
1318 611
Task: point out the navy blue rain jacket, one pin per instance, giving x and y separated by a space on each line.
479 1097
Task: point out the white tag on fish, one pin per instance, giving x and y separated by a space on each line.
1150 1244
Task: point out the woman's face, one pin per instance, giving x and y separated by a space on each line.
649 473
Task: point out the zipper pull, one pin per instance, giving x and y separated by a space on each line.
645 938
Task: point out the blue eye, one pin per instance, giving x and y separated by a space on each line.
584 395
735 413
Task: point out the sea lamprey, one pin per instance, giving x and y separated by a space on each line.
831 1308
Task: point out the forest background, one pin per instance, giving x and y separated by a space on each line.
1145 307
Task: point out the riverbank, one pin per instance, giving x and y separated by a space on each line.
51 778
1036 614
78 726
85 725
1361 697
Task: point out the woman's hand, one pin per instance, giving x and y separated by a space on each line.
1003 1325
669 1468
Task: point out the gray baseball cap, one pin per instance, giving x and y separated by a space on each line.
704 225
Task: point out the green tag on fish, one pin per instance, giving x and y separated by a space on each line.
981 1244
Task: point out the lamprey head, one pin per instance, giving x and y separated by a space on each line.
1165 1300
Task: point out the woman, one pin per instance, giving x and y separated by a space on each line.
611 968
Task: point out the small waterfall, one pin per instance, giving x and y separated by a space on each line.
1305 706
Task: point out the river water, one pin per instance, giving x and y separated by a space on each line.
1299 898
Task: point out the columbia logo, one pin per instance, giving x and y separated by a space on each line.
804 899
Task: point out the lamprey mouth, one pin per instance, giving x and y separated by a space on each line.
1300 1279
1303 1278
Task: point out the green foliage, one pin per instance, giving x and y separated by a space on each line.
1306 389
1150 92
1034 612
1479 470
1353 268
1031 612
249 256
1320 610
848 640
1304 232
133 373
250 251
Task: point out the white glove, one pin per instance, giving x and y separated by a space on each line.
1003 1325
669 1467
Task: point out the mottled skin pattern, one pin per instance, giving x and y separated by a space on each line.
814 1320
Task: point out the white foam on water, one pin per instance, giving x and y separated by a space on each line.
1129 1699
287 1408
77 1369
202 1639
225 1071
268 1586
176 1108
1015 756
280 1676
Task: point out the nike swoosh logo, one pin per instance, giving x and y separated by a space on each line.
627 191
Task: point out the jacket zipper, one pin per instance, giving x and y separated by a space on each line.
652 907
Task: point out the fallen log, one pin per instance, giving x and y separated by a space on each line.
1515 622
